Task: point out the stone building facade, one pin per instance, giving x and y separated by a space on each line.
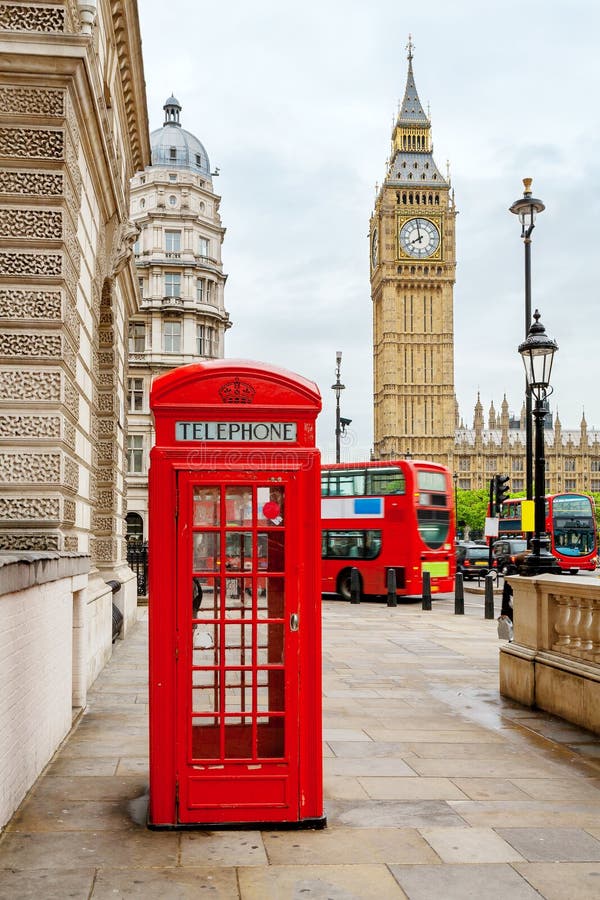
73 130
413 261
181 317
496 444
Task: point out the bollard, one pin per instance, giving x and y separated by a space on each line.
489 596
426 590
392 599
459 595
354 585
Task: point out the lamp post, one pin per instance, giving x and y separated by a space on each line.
455 480
537 353
338 387
526 208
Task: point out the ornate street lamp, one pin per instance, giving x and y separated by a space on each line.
338 387
455 480
537 353
526 208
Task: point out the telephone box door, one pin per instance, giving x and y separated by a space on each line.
237 647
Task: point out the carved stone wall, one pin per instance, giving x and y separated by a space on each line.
18 304
39 272
64 234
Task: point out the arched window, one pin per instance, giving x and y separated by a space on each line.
135 527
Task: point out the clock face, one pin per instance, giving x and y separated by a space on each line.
419 238
374 248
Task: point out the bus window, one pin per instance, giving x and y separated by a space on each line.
431 481
385 481
433 525
346 484
350 544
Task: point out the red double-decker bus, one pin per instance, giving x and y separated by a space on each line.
381 515
570 523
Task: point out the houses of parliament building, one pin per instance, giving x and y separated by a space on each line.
413 264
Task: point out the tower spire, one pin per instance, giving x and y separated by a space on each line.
411 111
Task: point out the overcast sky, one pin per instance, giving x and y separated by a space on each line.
294 103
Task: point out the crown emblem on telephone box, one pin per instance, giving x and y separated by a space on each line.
237 391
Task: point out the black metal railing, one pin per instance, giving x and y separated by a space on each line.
137 557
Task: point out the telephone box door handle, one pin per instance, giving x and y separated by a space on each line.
294 622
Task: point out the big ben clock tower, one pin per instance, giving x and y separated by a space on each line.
413 262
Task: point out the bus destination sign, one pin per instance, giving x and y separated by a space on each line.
244 432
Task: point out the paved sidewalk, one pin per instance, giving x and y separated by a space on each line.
435 787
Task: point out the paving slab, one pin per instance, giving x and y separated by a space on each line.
46 884
92 787
82 849
457 882
470 845
348 846
222 848
218 883
389 767
328 882
553 844
535 813
389 788
489 789
56 814
575 881
392 813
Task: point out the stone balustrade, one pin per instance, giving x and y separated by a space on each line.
554 660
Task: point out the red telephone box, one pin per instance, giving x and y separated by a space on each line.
235 592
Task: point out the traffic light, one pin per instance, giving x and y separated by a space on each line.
501 489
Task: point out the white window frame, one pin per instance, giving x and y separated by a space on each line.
172 240
206 340
137 335
135 394
171 336
172 284
135 454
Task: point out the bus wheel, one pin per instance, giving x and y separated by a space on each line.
344 587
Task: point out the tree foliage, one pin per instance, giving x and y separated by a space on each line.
471 510
472 507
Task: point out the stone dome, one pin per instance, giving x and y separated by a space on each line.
174 147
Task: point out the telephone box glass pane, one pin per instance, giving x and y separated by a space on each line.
238 739
270 639
205 693
238 645
238 598
206 505
206 551
239 691
271 690
238 503
271 598
238 554
205 597
205 643
271 557
270 736
270 503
